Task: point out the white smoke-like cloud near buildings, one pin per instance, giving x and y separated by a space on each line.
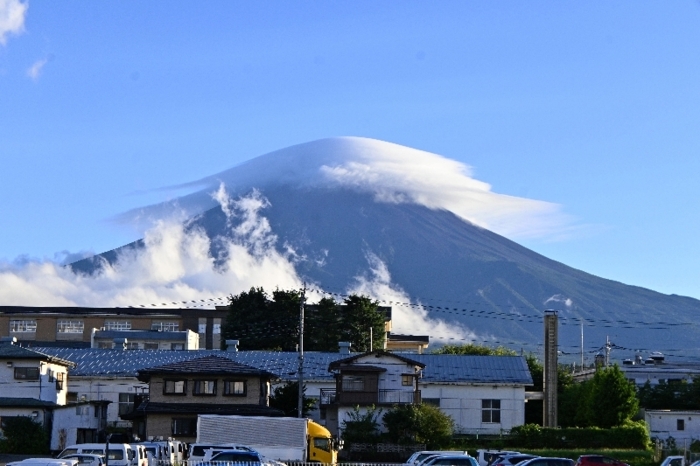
175 269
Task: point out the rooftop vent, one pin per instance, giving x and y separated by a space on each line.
232 345
344 347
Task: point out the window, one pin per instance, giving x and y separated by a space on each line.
70 326
126 403
60 377
117 325
26 373
431 401
322 444
235 387
165 326
104 345
184 427
204 387
216 327
680 424
175 387
132 345
150 346
353 383
177 346
491 411
23 326
407 380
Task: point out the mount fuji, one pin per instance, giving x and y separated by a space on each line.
416 230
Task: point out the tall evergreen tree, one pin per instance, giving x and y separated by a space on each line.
359 315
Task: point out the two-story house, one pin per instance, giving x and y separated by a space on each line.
378 378
33 383
179 391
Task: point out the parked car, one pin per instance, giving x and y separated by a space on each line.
547 461
231 457
512 460
674 461
451 460
598 460
44 462
484 457
420 456
204 451
86 459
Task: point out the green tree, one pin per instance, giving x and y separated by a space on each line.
476 350
421 423
245 312
359 315
322 326
286 399
613 398
23 436
362 427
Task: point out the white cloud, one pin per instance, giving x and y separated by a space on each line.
34 71
407 318
12 16
174 266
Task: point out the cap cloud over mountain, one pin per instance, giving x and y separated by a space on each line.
360 215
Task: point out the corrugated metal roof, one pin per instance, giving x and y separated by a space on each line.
9 351
444 368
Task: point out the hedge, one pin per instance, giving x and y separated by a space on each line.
632 435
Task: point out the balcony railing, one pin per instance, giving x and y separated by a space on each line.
331 396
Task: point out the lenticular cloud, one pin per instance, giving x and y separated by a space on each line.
391 172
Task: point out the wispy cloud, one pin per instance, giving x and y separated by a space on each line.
12 16
34 71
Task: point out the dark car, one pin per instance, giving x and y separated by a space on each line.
547 461
238 457
598 460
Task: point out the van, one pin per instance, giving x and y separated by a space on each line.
156 453
202 451
120 454
139 455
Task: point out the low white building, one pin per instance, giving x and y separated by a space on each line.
144 339
683 426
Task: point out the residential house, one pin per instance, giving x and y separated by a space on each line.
35 385
374 379
178 392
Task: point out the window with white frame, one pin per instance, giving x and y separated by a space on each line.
126 403
117 325
70 326
148 345
165 326
23 326
491 411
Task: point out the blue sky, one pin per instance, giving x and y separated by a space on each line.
594 106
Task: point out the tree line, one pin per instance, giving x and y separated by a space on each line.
262 321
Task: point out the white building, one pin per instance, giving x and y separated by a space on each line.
683 426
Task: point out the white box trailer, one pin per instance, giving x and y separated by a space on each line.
279 438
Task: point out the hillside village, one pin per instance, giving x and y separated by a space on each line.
86 372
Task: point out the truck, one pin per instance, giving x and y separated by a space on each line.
275 438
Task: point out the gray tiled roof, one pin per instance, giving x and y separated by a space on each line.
8 351
25 403
438 367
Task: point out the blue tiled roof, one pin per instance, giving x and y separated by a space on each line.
438 367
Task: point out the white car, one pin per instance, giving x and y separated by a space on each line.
44 462
86 459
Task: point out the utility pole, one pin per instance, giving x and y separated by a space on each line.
551 342
608 347
300 372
